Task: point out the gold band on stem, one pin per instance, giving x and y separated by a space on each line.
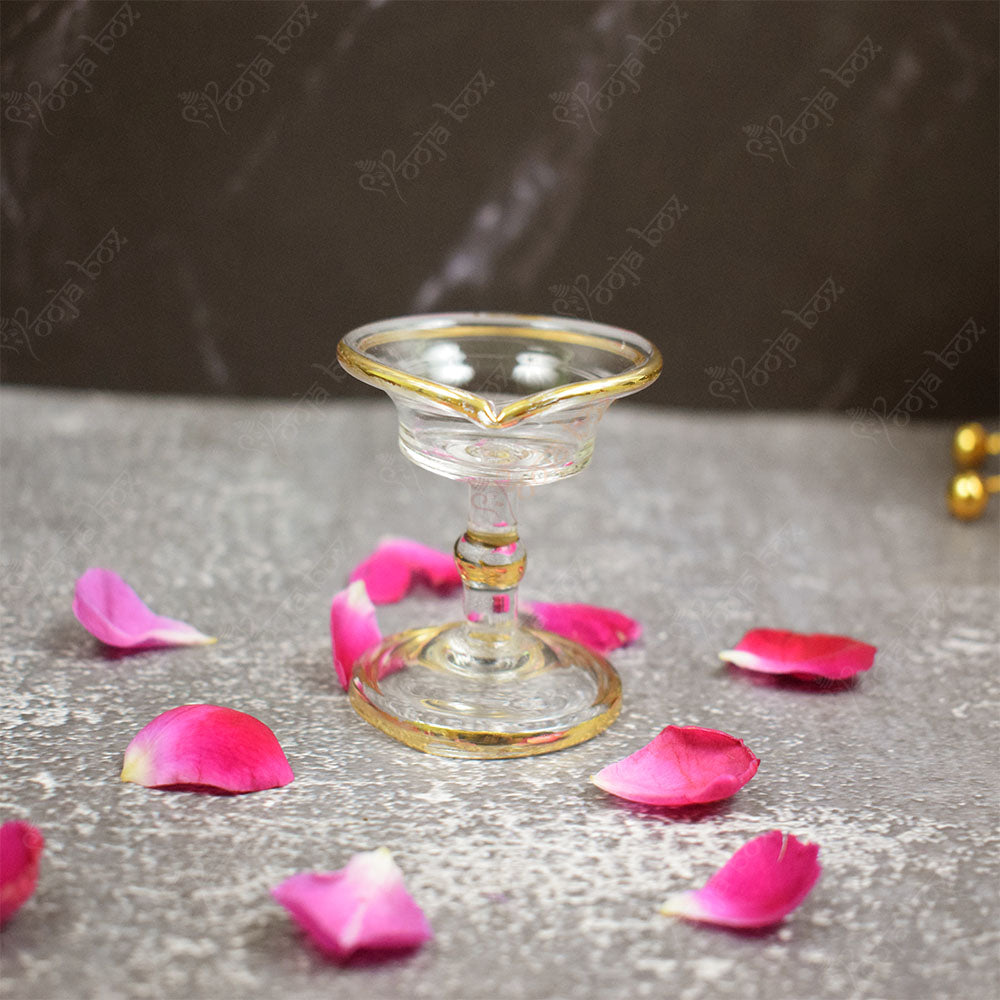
492 577
492 539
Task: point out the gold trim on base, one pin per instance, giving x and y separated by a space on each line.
456 741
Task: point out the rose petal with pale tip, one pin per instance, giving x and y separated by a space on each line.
599 629
353 628
109 609
683 766
390 572
757 887
206 748
20 852
360 907
773 651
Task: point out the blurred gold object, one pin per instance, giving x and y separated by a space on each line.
969 494
972 444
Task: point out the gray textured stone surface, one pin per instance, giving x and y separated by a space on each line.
536 883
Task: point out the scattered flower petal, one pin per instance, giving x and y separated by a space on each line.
683 766
20 851
353 628
599 629
362 906
757 887
398 563
206 748
773 651
108 608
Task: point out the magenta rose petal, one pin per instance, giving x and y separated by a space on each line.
353 628
435 568
758 886
683 766
206 748
20 852
773 651
386 578
393 568
108 608
599 629
364 906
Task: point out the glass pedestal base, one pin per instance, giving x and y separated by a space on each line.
436 692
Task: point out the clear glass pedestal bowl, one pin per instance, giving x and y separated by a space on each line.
498 401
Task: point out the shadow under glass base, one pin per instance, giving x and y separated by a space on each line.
421 687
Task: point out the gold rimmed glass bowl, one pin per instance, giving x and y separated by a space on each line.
498 401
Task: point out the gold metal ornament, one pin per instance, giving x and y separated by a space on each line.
971 445
969 493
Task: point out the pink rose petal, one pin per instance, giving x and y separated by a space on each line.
108 608
353 628
20 851
362 906
398 563
599 629
757 887
206 748
773 651
682 766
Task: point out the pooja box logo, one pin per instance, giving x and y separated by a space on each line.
768 141
91 521
774 557
385 173
17 332
577 300
730 382
205 106
574 107
270 430
878 419
27 106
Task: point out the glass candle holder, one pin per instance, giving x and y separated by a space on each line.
497 401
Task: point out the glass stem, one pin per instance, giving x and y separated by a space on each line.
491 560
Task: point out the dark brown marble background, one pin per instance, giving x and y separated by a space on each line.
251 246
